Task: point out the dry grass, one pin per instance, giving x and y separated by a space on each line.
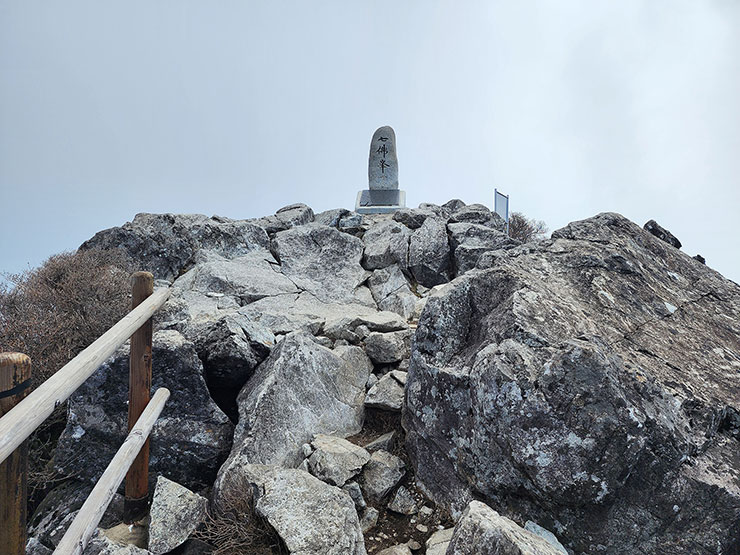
233 528
51 314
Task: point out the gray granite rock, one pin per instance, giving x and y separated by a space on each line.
439 541
387 394
101 545
392 291
546 535
336 460
247 278
386 243
283 314
413 218
354 491
587 366
190 440
381 474
175 514
321 260
343 324
166 244
452 206
400 549
286 218
35 547
311 517
469 241
353 224
384 442
651 226
369 519
300 390
479 214
331 217
385 348
403 502
481 531
429 253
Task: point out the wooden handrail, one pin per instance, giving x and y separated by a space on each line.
25 417
83 526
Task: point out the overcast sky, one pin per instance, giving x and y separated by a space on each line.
237 108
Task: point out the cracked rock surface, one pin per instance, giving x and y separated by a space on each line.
589 382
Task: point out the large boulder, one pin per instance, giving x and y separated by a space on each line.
287 217
469 241
386 348
478 214
661 233
166 244
321 260
310 516
176 512
429 253
588 382
300 390
482 531
331 217
391 291
283 314
246 278
386 243
190 440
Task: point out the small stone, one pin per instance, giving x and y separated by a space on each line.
355 493
371 381
403 502
381 474
369 519
401 549
307 450
422 528
426 511
438 542
413 545
336 460
387 394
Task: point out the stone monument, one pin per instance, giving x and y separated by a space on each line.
383 195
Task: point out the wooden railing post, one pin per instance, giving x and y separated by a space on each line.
140 383
15 380
83 526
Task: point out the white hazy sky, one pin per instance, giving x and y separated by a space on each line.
237 108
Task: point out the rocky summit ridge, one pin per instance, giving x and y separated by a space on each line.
419 382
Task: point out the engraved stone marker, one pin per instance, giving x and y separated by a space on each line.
383 194
382 170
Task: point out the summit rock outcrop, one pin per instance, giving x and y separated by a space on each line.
392 370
